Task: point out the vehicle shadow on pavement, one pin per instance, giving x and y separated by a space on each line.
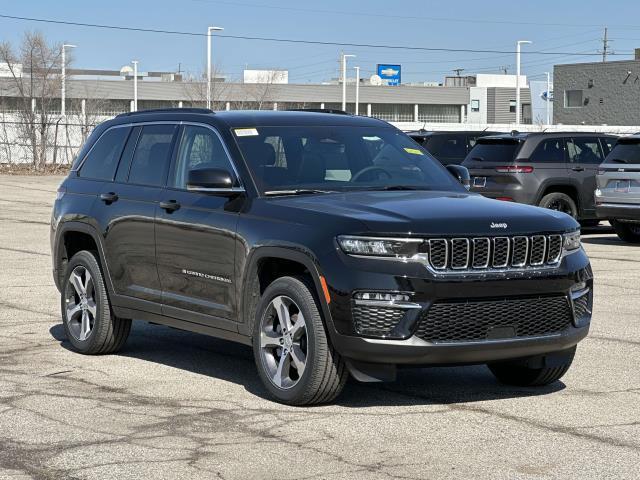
232 362
608 240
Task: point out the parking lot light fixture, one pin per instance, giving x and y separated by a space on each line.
209 30
357 69
519 44
63 93
344 80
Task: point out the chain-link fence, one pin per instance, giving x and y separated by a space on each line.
40 144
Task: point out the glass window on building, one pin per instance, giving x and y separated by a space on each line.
512 106
475 105
392 112
573 98
439 113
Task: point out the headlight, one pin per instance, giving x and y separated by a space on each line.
379 247
572 241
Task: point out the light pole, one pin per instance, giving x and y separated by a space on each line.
135 85
209 30
357 69
548 98
344 80
63 96
518 44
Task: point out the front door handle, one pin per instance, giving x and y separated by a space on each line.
578 169
170 206
109 197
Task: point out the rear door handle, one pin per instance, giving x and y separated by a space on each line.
170 206
578 169
109 197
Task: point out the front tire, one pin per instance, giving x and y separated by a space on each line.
544 371
295 359
627 232
561 202
88 321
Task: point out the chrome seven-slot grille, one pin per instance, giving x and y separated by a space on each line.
494 253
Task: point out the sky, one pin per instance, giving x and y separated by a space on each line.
565 26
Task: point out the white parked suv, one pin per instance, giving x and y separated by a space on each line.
618 188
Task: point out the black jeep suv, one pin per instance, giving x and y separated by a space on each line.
332 244
551 170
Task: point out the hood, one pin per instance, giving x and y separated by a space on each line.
432 213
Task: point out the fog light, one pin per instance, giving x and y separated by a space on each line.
382 297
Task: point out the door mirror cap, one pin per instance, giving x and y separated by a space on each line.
211 180
461 174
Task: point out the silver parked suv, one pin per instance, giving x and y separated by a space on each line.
617 195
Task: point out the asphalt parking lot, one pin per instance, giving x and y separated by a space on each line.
174 405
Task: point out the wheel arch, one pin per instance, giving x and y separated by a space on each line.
567 187
292 262
72 237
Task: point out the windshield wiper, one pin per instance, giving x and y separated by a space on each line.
297 191
399 187
618 160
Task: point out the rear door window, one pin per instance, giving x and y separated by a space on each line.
584 150
152 155
102 160
550 150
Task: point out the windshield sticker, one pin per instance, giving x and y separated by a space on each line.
413 151
246 132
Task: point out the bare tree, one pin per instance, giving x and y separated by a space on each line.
195 88
34 70
259 94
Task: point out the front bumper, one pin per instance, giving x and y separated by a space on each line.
415 351
413 347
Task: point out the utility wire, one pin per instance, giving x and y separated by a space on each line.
286 40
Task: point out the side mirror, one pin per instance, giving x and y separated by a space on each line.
210 180
461 174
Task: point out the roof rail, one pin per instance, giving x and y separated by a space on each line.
167 110
320 110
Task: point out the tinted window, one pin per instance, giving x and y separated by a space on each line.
102 161
447 146
625 153
340 159
584 150
495 151
150 160
199 147
549 151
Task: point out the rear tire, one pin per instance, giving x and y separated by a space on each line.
88 321
522 374
627 232
561 202
295 360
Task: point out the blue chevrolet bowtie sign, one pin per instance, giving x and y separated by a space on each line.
390 74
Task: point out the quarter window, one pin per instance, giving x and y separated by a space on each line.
151 158
102 160
199 147
549 151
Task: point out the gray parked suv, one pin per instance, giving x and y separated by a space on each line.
551 170
618 194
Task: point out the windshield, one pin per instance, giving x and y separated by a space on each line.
625 153
330 158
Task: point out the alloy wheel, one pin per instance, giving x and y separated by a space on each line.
561 206
283 342
80 309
